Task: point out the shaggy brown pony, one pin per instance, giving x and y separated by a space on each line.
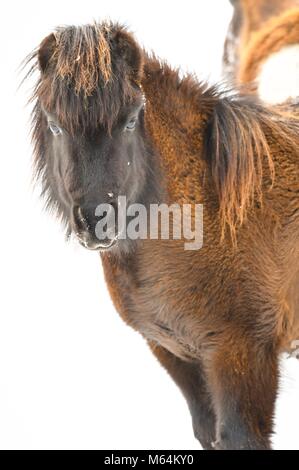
111 120
258 29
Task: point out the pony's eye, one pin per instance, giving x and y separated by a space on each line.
131 124
54 129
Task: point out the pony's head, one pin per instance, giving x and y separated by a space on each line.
88 124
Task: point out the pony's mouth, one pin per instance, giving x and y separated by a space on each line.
93 244
96 245
84 227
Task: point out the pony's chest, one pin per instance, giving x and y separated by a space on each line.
162 322
152 306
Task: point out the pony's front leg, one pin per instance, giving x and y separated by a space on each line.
244 379
190 378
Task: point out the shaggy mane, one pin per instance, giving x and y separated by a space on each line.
241 140
242 136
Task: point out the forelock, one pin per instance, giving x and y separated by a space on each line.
88 79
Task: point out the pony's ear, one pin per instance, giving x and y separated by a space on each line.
130 52
46 51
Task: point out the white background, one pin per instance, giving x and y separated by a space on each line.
72 375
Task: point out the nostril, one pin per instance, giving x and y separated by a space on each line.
82 219
79 218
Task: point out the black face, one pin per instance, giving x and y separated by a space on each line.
85 171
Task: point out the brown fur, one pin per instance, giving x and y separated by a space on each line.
276 34
257 13
229 311
216 318
252 21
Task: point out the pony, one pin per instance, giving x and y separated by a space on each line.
262 47
109 119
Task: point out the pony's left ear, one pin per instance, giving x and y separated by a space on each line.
130 52
46 51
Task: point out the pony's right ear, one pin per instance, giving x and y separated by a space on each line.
130 51
46 51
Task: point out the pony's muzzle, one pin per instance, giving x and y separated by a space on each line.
84 224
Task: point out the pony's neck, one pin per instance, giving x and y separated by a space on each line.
212 145
170 97
176 116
